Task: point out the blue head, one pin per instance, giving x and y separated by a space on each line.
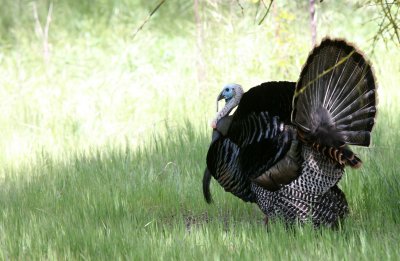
229 91
232 93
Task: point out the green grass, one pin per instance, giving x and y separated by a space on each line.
147 203
103 147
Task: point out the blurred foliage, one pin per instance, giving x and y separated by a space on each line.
74 15
176 16
388 19
100 83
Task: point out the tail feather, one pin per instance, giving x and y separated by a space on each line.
342 156
359 115
351 159
361 138
357 124
355 105
206 186
334 103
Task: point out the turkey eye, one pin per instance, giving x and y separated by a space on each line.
227 89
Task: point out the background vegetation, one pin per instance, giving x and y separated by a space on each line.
104 132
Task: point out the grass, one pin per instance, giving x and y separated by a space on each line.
103 146
147 203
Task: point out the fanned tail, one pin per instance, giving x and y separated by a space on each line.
334 103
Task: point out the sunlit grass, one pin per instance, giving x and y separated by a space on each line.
103 146
147 203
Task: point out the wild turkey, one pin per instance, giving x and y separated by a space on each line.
286 146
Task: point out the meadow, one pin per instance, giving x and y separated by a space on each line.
104 132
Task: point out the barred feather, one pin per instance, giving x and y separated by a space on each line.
223 164
313 197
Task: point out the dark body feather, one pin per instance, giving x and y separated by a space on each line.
257 127
278 102
254 141
332 105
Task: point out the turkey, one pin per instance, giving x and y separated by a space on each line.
286 146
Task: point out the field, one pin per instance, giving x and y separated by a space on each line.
104 132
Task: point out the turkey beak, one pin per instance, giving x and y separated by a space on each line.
220 96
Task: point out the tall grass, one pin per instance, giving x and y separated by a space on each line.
103 145
147 203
